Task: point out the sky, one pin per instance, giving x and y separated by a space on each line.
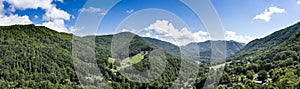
168 20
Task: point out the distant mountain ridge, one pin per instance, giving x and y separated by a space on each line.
231 47
204 47
271 41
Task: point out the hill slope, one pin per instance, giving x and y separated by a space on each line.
274 60
38 57
35 57
204 47
269 42
231 46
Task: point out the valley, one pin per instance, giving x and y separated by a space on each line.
38 57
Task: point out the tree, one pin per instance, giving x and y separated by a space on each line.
250 75
220 87
3 84
253 67
250 84
226 79
262 75
239 86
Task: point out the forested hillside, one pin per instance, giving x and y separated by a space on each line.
35 57
268 42
204 48
270 63
38 57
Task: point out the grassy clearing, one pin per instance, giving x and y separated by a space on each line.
111 60
135 59
132 60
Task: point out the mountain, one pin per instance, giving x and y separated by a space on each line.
269 42
35 57
38 57
231 46
169 47
273 60
204 47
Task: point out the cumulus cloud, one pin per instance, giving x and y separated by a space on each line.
14 19
58 25
201 36
268 13
164 29
298 2
129 11
147 35
53 18
6 20
125 30
52 13
30 4
73 29
55 13
230 35
93 10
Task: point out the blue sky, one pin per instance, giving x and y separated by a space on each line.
243 20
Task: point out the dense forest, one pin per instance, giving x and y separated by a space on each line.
35 57
267 63
38 57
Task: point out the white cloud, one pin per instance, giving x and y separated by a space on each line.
55 13
54 17
52 13
129 11
129 30
73 29
165 29
6 20
268 13
298 2
60 1
230 35
125 30
30 4
147 35
58 25
201 36
14 19
93 10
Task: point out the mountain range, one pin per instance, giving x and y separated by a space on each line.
204 48
38 57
